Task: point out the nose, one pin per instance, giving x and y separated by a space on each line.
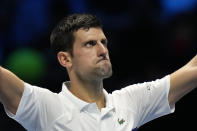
102 50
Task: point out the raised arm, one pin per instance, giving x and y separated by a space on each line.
11 90
183 81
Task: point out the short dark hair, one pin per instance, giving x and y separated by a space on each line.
62 37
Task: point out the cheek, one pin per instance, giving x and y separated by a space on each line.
84 56
82 59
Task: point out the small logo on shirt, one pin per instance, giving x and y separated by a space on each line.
148 87
121 121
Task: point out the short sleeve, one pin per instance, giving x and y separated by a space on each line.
27 111
149 100
36 108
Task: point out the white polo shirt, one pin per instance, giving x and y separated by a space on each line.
126 109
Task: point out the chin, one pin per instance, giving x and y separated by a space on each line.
107 74
103 72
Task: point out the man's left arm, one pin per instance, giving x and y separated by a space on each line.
183 81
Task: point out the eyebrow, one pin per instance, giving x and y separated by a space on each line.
104 39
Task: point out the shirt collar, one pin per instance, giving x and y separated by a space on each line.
80 104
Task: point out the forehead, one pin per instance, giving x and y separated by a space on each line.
82 34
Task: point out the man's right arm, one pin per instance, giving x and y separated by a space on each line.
11 90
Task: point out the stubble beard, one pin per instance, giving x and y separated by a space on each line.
96 74
104 72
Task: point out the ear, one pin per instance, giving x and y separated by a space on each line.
64 59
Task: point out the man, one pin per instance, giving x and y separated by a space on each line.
83 104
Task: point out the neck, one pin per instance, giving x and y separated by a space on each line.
89 91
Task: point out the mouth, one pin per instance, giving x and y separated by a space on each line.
103 59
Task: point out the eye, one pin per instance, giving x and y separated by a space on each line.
90 43
104 42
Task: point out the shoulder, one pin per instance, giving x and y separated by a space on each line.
135 88
134 94
37 91
42 97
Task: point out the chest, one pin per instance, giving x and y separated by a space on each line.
121 120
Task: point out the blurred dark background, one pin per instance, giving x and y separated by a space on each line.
147 40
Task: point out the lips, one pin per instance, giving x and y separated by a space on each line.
103 59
